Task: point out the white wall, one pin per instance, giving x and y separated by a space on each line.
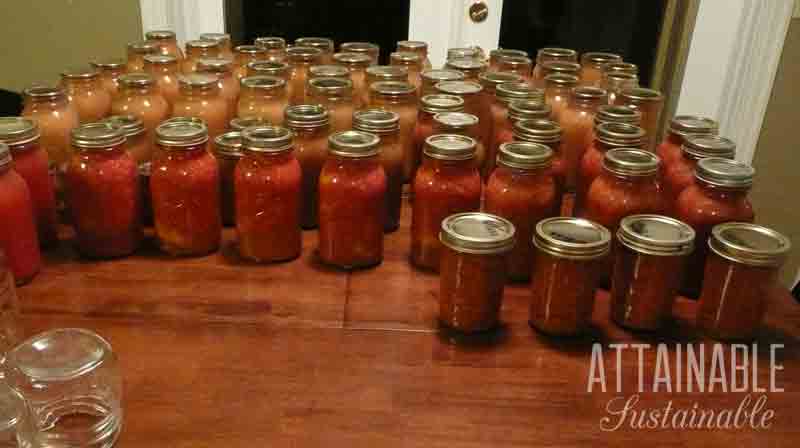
188 18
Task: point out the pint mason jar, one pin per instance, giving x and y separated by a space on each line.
56 117
136 53
310 124
200 98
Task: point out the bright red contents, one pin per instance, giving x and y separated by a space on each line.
18 227
30 162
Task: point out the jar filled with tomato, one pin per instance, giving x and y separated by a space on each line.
228 152
430 105
679 174
17 222
681 127
548 133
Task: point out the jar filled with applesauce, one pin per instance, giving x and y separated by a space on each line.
18 238
300 59
85 91
568 258
22 136
446 183
557 68
386 125
577 121
650 259
401 98
432 77
268 196
592 64
551 54
462 123
523 190
278 69
200 97
557 92
464 52
521 65
616 82
649 102
430 105
139 96
229 88
311 127
56 117
224 42
328 71
548 133
498 91
356 64
471 93
136 53
680 128
166 41
110 70
239 123
741 274
275 46
184 186
606 136
368 48
618 67
516 110
411 61
416 46
352 202
262 97
471 68
473 270
718 195
164 68
380 73
103 192
336 95
680 173
498 53
228 152
196 50
323 44
245 54
136 141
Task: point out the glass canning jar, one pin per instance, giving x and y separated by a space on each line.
262 97
430 105
518 110
718 195
229 88
136 53
224 42
620 67
464 52
30 162
17 222
228 152
352 202
680 173
566 273
278 69
268 196
323 44
592 66
85 90
740 275
239 123
498 90
166 41
557 91
649 102
432 77
336 95
471 68
401 98
328 71
199 97
681 127
446 183
139 96
275 46
413 62
557 68
616 82
300 59
650 259
368 48
386 125
577 121
551 54
380 73
164 68
473 270
416 46
498 53
245 54
520 65
184 185
548 133
110 69
356 64
613 113
462 123
523 190
471 93
56 117
136 142
196 50
606 136
103 192
311 127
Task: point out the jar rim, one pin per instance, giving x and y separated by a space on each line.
303 53
495 79
159 58
159 35
328 71
525 155
521 109
109 63
388 72
588 93
749 244
267 139
456 120
621 67
461 52
377 121
557 52
263 82
392 88
477 233
354 144
331 86
415 44
619 134
359 47
229 145
182 133
685 125
136 79
271 42
269 68
441 102
214 65
40 92
353 58
435 75
202 44
143 47
501 52
216 37
249 49
642 94
572 238
131 125
518 90
450 147
702 146
617 113
561 67
537 130
315 42
561 79
515 61
459 88
306 116
656 235
197 80
465 64
18 130
598 58
630 162
724 173
97 136
239 123
87 72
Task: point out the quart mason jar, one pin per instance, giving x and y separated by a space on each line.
401 98
136 53
200 98
278 69
139 96
496 54
411 61
166 41
85 90
471 68
368 48
649 102
681 127
164 68
110 70
238 124
136 142
262 97
356 64
548 133
336 95
551 54
474 103
558 68
518 110
380 73
430 105
275 46
328 71
245 54
613 113
577 121
416 46
432 77
680 173
229 88
300 59
520 65
228 152
196 50
557 92
616 82
498 91
310 125
56 117
462 123
592 66
323 44
17 222
224 42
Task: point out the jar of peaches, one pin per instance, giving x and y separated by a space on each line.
681 127
473 270
411 61
164 68
85 90
166 41
430 105
300 59
497 53
649 102
368 48
474 103
136 53
184 185
103 192
386 125
56 117
447 182
522 190
462 123
352 202
223 40
277 69
243 55
356 64
110 70
196 50
432 77
139 96
310 125
416 46
551 54
228 152
401 98
136 142
239 123
592 64
17 222
557 92
548 133
380 73
471 68
268 196
336 95
228 85
199 97
262 97
323 44
616 82
577 121
680 173
275 46
517 110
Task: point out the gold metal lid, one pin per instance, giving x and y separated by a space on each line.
701 146
537 131
359 47
377 121
199 80
18 130
78 73
411 45
463 52
136 80
131 125
159 35
160 59
561 80
433 76
108 64
438 102
263 82
749 244
494 79
354 144
621 67
269 68
331 87
392 88
97 136
202 44
513 62
506 52
303 53
589 93
306 116
724 173
641 94
271 43
477 233
630 162
387 73
181 134
456 121
529 109
618 81
214 65
572 238
561 54
599 58
510 91
685 125
405 57
561 67
353 59
525 155
322 43
220 38
656 235
328 71
267 139
619 134
468 64
143 47
450 147
250 50
617 113
239 123
229 145
459 88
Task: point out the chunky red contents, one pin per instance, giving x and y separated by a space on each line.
669 150
676 177
590 168
471 290
18 227
30 162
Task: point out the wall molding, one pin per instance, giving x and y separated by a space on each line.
188 18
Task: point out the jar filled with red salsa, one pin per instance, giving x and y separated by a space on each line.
679 174
557 91
592 64
400 98
650 258
501 95
681 127
473 270
718 195
462 123
430 105
523 190
103 192
30 161
310 126
184 184
517 110
228 152
17 222
551 54
649 102
577 121
432 77
565 273
548 133
447 182
352 202
268 195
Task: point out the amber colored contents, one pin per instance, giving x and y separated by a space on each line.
649 102
681 129
545 55
85 91
577 121
416 46
110 70
592 66
335 95
196 50
322 44
136 53
56 117
368 48
356 64
300 59
228 84
471 291
496 54
462 123
223 40
400 98
243 55
166 42
311 146
165 71
262 97
200 98
275 46
557 91
228 152
17 223
139 96
548 133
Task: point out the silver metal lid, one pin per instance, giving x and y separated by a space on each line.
459 88
328 71
616 113
412 45
433 76
271 42
749 244
494 79
263 82
467 64
561 80
131 125
108 64
392 88
724 173
477 233
450 147
589 93
5 155
599 58
39 92
184 134
518 91
220 38
306 116
229 145
377 121
456 121
353 59
656 235
525 155
204 45
303 53
239 123
331 87
250 50
463 52
184 120
529 109
619 134
354 144
685 125
359 47
630 162
515 62
214 65
269 68
506 52
572 238
641 94
18 130
322 43
439 102
537 131
159 35
618 81
267 139
77 73
143 47
405 58
159 59
556 53
701 146
197 80
136 80
561 68
621 67
387 73
97 136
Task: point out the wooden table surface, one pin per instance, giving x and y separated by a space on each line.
216 352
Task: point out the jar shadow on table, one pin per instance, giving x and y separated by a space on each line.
478 340
575 345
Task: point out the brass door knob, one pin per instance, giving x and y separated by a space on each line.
478 12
